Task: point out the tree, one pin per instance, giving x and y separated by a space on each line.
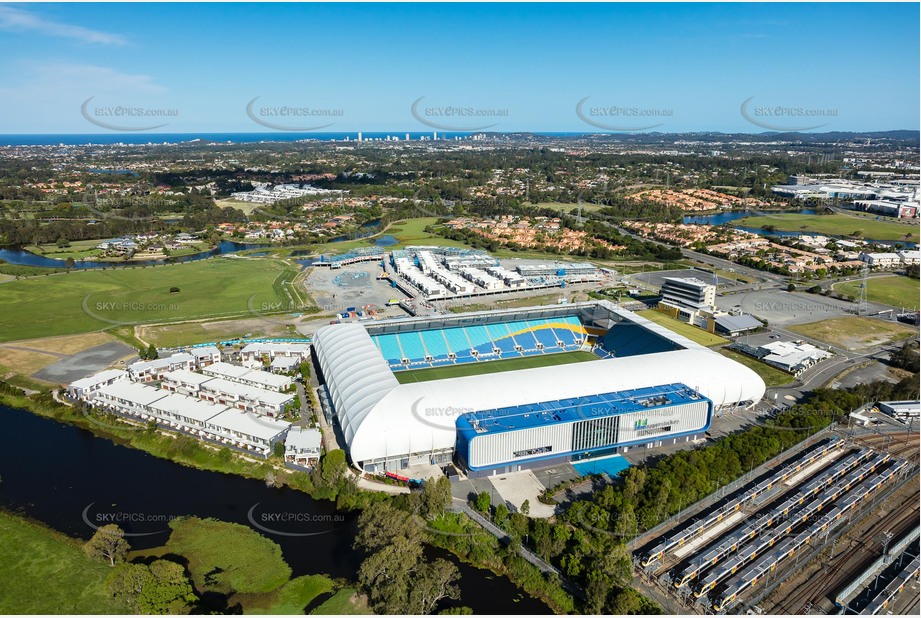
395 574
435 497
278 449
152 352
526 507
791 287
69 262
332 467
433 582
107 543
482 502
160 588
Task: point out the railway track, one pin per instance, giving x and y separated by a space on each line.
815 588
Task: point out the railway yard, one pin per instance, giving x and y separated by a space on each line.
829 527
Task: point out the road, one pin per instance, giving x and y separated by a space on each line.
710 260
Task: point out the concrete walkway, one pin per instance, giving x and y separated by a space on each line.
461 506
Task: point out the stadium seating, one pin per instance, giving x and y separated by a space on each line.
439 347
627 339
435 343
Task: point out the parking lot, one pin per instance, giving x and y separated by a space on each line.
84 363
657 278
782 308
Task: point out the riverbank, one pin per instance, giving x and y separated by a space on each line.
38 558
192 454
834 225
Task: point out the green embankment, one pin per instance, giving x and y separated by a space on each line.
85 301
45 572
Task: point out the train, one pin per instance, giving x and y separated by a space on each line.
684 535
789 546
749 532
882 600
754 549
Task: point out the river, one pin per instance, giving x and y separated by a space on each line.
25 258
722 218
70 479
22 257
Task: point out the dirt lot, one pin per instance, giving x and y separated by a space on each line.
29 356
855 333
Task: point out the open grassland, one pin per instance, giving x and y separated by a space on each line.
693 333
28 356
190 333
477 368
77 249
45 572
345 602
291 599
93 300
225 557
771 375
895 291
406 232
835 225
855 332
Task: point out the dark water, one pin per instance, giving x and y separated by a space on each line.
728 217
364 231
72 480
25 258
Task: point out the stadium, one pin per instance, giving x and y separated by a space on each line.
501 391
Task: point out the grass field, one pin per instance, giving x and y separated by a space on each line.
693 333
290 599
836 225
406 232
344 603
772 376
225 557
511 364
895 291
77 249
85 301
855 332
45 572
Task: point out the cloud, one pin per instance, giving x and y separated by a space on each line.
48 78
46 97
17 20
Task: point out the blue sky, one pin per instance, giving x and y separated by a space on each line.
514 67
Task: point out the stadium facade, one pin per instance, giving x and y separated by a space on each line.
649 386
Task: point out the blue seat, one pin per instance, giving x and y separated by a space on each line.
389 347
435 343
477 335
412 346
457 340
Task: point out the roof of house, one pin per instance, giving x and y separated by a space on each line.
99 378
249 424
303 438
188 407
133 392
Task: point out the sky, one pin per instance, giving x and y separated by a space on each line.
106 68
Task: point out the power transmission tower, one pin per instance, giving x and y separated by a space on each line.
862 290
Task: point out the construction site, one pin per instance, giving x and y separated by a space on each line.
827 527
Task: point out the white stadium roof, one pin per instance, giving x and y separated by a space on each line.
382 418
